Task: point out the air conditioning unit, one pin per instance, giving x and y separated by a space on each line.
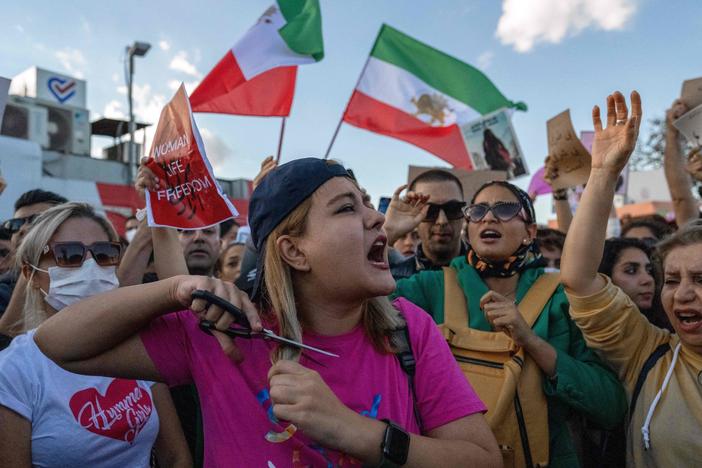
26 121
68 129
120 152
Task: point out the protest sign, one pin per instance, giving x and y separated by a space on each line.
568 161
690 125
691 93
4 87
190 197
493 144
471 180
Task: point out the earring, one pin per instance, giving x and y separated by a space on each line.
525 241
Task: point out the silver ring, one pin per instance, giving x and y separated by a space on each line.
620 122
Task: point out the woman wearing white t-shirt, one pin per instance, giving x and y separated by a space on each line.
49 416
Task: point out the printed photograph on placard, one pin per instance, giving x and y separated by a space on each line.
493 144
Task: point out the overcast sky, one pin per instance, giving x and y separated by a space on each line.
551 54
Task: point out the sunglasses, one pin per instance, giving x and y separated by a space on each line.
504 211
15 224
452 209
72 254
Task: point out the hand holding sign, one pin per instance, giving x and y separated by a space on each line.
568 161
188 196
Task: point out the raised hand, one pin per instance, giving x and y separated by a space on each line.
404 213
694 164
614 144
677 109
267 165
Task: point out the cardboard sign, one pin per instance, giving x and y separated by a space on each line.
691 93
568 161
690 125
493 144
4 87
192 198
471 180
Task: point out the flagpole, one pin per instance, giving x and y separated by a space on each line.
363 70
280 139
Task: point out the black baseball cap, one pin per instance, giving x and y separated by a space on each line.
278 194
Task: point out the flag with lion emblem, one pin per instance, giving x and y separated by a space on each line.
257 75
420 95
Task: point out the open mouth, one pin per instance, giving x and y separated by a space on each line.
376 254
690 320
490 234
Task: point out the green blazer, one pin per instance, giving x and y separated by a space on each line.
583 383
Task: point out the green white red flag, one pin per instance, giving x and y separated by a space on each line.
415 93
257 75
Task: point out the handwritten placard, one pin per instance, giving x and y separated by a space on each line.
690 125
191 197
691 93
568 161
4 87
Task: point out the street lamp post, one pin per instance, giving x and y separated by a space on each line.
138 49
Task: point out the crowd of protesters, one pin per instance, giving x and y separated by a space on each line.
451 331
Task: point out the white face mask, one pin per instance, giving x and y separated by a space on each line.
70 285
129 235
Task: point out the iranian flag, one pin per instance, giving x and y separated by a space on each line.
420 95
257 75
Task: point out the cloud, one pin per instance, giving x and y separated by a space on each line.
114 110
218 152
72 60
164 45
173 85
181 63
485 59
524 24
19 28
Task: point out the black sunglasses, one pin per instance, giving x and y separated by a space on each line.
15 224
504 211
452 209
72 254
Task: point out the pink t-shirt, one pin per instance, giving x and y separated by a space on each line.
239 426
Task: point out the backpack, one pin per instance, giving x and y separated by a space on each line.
506 379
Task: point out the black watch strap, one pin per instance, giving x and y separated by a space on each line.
395 446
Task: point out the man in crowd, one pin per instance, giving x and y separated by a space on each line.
550 243
439 224
27 207
201 249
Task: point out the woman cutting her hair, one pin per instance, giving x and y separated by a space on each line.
307 408
497 298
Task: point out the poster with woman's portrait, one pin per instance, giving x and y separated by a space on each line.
493 144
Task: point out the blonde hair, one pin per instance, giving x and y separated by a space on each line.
31 250
379 318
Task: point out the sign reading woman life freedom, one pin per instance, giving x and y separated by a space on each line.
189 196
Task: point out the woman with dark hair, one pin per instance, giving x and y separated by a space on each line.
496 155
660 369
277 405
628 262
485 293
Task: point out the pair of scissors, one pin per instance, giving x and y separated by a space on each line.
244 329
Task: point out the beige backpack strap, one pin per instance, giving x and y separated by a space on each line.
455 307
538 295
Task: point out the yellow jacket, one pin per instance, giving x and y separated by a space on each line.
614 327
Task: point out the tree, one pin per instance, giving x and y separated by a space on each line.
649 152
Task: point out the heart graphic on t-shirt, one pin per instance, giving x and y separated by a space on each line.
120 413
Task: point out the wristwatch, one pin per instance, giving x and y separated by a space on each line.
395 446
